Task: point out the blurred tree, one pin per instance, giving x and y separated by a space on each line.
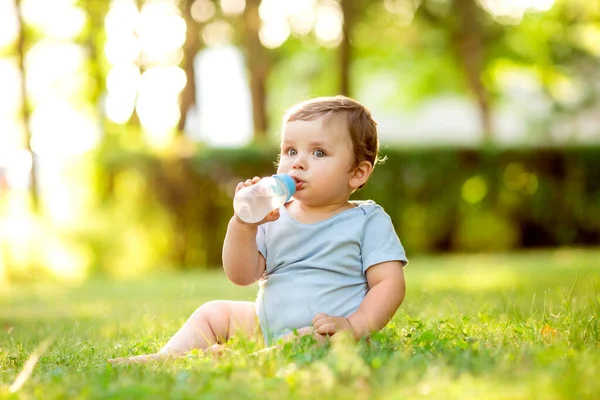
461 21
260 63
349 13
93 40
353 12
555 49
25 107
258 59
469 44
191 48
563 47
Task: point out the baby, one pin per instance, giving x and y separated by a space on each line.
323 264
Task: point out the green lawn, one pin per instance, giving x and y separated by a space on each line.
515 326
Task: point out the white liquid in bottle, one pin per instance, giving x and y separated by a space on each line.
253 203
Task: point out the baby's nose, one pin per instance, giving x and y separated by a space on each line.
299 163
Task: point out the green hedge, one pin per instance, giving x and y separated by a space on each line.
440 199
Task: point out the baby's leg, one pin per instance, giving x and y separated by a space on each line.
211 324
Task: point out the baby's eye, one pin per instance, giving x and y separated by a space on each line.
319 153
292 152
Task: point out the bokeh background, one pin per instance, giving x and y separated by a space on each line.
125 124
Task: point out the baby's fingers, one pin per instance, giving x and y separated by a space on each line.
324 324
240 186
320 318
272 216
253 181
246 183
327 328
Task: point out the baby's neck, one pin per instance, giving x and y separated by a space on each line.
307 214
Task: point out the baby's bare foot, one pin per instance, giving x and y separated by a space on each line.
216 351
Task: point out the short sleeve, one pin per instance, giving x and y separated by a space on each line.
380 242
260 241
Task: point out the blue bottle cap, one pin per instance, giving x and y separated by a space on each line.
289 182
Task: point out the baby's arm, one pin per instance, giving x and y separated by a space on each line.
242 262
386 293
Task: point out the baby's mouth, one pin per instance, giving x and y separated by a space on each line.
299 183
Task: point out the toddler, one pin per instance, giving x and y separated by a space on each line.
323 264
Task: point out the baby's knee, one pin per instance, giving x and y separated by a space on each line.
211 310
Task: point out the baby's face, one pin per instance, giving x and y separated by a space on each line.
320 157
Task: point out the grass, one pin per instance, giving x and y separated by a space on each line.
512 326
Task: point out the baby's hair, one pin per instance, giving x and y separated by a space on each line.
361 125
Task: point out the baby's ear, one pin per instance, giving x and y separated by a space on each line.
361 174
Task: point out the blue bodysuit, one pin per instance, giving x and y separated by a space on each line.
320 268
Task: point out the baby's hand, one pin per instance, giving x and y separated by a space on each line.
300 332
272 216
326 325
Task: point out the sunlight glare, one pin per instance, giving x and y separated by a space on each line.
60 186
19 230
163 81
303 16
123 78
202 10
161 30
60 19
157 104
3 270
515 9
218 33
233 8
271 10
119 107
55 71
158 117
122 85
541 5
10 95
329 24
11 140
9 24
19 165
273 33
281 18
59 130
122 49
121 19
122 45
223 93
64 261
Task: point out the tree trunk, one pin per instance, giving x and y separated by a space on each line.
191 47
25 110
469 43
259 64
345 48
134 125
94 42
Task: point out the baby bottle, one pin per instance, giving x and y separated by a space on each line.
253 203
